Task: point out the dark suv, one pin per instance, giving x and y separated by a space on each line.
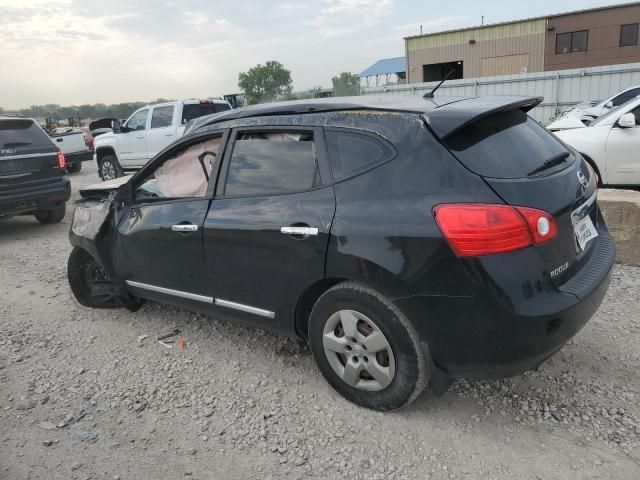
33 179
407 240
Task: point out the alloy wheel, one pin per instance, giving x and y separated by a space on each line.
358 351
108 170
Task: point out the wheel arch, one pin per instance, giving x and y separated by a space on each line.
594 165
307 300
101 152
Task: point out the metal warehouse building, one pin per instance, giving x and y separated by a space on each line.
586 38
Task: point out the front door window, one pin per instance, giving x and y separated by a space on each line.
184 174
139 120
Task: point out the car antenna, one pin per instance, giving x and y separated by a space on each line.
430 94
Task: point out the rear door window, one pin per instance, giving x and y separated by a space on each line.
508 145
352 153
162 117
273 162
197 110
22 133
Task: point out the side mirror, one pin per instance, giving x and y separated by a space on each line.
628 120
609 104
124 194
124 129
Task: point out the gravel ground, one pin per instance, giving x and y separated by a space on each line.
83 397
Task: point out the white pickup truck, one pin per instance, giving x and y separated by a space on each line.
146 132
73 144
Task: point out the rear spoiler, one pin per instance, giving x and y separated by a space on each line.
448 119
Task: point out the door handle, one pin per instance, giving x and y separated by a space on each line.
184 228
299 230
169 134
139 136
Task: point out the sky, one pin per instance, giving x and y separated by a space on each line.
73 52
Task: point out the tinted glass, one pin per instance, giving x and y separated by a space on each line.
22 133
628 35
579 41
506 145
197 110
625 96
563 43
139 120
351 153
262 167
162 117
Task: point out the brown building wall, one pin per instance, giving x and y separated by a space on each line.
498 50
474 57
603 46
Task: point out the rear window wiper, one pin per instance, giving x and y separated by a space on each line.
552 162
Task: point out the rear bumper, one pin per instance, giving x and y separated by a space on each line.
76 157
30 198
485 336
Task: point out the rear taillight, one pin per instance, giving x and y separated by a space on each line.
61 162
475 229
543 227
594 174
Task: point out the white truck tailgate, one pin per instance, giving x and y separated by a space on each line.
71 142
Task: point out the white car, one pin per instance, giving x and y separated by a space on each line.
611 144
146 132
582 114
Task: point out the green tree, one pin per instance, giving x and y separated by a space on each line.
265 83
345 85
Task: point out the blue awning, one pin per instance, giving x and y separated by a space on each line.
384 67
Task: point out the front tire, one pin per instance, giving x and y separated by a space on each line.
109 168
366 348
88 281
51 216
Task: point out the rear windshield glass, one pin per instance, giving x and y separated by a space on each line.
509 145
197 110
22 133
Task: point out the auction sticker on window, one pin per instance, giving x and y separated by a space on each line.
585 231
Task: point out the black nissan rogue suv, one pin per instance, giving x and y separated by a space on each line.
33 179
408 240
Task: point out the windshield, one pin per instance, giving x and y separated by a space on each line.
612 115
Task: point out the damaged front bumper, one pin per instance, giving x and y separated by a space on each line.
92 229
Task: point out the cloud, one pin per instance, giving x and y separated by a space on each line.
342 17
88 51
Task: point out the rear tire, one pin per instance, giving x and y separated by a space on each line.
109 168
83 273
74 167
391 371
51 216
